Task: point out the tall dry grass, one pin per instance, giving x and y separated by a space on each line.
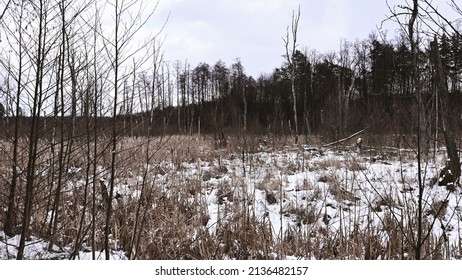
164 185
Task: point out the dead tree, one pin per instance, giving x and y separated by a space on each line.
289 55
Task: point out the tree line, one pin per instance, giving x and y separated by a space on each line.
366 83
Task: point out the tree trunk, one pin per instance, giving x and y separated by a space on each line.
11 212
448 126
291 65
33 136
420 129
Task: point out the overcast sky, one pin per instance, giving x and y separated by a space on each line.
252 30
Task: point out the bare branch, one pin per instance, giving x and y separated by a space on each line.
5 9
443 18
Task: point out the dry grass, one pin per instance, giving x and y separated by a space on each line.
163 212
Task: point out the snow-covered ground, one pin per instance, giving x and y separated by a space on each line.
37 249
320 194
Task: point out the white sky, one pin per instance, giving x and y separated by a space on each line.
209 30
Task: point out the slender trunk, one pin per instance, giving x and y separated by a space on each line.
61 154
11 212
95 166
88 150
294 96
114 134
95 142
61 168
347 102
33 137
290 60
244 99
420 131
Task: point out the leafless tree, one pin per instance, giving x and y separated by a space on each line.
290 47
11 216
129 17
418 14
43 41
435 17
349 64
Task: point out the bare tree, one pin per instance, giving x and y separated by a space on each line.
291 46
38 58
11 216
129 17
349 64
421 122
435 17
145 192
417 14
448 126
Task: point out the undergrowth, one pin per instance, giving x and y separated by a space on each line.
181 198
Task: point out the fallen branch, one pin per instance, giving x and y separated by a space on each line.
344 139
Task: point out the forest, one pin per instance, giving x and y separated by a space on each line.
96 130
366 83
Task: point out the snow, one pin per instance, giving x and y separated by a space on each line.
298 189
37 249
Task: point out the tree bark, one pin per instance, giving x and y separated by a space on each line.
448 126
